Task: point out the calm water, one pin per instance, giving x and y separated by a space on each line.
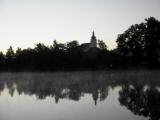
98 95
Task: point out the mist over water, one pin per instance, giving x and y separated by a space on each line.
87 95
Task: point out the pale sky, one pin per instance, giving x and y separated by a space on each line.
23 23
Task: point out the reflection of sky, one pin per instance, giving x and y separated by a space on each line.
26 22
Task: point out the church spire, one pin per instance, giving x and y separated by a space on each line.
93 40
93 33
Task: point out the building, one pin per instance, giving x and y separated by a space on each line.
92 45
90 50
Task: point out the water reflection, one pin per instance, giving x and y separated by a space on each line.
57 85
139 90
141 100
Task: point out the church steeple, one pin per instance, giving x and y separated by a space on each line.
93 40
93 35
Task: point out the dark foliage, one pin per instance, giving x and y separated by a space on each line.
67 56
138 46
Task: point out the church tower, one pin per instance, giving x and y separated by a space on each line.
93 40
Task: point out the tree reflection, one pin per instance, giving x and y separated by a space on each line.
61 86
1 86
134 95
141 100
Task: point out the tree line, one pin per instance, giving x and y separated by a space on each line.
138 46
59 56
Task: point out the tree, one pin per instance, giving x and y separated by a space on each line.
72 44
141 42
40 47
10 58
102 45
18 51
152 39
58 46
131 42
10 52
2 60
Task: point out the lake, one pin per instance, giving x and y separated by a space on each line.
86 95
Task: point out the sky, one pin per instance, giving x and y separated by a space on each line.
23 23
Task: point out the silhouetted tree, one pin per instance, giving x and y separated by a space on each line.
18 51
131 43
58 46
152 40
73 44
10 58
102 45
2 61
74 55
10 52
140 43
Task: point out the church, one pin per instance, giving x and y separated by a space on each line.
90 50
90 46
